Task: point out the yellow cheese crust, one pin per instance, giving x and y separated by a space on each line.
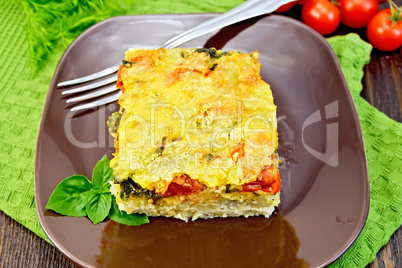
200 112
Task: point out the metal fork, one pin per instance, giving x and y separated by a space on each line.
249 9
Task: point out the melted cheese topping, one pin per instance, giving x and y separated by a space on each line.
204 113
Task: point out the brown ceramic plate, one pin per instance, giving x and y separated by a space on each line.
325 192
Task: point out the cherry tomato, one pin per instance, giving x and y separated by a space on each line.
285 7
301 2
382 34
357 13
321 15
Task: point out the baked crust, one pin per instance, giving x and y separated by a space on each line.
195 135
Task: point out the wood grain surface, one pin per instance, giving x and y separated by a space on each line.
382 87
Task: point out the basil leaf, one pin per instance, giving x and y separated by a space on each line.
102 173
100 190
122 217
77 196
69 197
98 206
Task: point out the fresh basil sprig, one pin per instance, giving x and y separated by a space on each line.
76 196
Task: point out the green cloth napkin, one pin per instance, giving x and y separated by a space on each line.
383 141
36 32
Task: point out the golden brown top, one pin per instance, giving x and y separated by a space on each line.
201 112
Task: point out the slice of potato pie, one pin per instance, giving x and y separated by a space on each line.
195 136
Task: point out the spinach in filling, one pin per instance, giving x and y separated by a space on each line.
128 64
211 52
129 187
113 122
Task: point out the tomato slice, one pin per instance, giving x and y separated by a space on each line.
240 150
252 187
119 83
268 180
183 185
268 176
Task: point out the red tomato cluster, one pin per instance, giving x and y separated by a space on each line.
384 28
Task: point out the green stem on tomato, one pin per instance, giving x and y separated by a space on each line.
396 12
335 2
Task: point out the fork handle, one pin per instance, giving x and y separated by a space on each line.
249 9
